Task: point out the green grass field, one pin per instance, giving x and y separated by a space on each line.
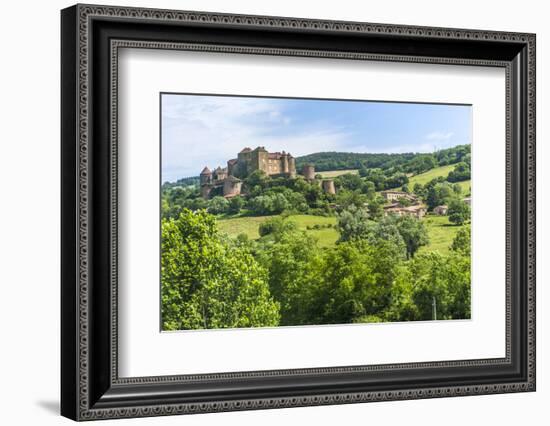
334 173
440 230
424 178
441 233
249 225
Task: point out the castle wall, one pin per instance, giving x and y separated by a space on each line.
231 187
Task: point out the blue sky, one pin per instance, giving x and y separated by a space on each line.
208 130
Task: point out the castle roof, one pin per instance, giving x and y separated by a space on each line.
245 150
206 171
232 161
219 169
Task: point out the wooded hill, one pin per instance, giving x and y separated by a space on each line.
405 162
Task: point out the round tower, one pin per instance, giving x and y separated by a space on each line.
291 166
328 186
205 191
309 171
206 176
285 162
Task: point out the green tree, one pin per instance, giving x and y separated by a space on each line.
418 189
462 241
459 173
256 178
396 180
438 193
218 205
280 203
209 281
346 198
235 204
441 286
355 283
291 260
349 181
353 223
459 212
376 207
276 225
268 204
413 232
431 286
422 163
369 189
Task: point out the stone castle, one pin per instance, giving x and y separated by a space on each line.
227 181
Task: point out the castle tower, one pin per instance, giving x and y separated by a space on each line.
206 176
291 166
309 171
220 174
328 186
205 191
284 158
232 186
260 158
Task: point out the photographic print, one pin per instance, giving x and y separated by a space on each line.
301 212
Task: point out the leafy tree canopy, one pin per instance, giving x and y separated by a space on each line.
209 282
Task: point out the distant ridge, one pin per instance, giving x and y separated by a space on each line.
334 160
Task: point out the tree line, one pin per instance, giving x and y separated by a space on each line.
403 162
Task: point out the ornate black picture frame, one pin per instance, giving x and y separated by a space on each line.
91 36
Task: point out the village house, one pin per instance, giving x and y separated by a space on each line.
391 196
441 210
418 210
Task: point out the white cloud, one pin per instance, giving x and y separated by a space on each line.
199 131
439 136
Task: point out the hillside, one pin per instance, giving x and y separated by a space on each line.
424 178
324 161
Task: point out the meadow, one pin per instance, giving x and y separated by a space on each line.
440 231
249 225
424 178
334 173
